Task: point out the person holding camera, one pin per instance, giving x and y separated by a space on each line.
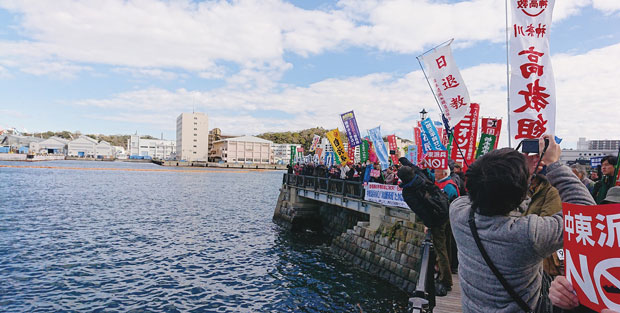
501 256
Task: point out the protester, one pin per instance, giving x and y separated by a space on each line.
608 164
444 181
581 173
457 175
497 183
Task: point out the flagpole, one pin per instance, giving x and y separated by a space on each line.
508 76
443 116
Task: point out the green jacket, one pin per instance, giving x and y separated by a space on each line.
601 187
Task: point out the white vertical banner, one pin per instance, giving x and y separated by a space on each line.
447 84
532 86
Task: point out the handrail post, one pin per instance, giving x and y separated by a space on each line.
423 300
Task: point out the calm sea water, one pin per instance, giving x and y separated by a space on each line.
150 241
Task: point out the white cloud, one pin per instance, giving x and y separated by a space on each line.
201 36
148 73
585 87
607 6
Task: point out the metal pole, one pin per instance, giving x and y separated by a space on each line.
508 76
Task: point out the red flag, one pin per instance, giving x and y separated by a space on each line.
393 147
492 126
465 136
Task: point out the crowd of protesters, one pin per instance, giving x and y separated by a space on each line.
361 172
506 214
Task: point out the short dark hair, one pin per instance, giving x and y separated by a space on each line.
612 160
497 182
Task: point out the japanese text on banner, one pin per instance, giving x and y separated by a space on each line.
337 144
465 135
532 86
379 146
393 148
350 127
592 253
447 83
492 126
434 140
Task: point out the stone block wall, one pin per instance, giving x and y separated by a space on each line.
392 252
336 220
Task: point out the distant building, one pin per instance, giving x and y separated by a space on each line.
245 149
215 135
83 146
282 152
604 144
192 137
104 149
154 148
15 142
119 152
51 145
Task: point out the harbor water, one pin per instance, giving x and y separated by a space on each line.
118 237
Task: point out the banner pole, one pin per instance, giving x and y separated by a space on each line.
507 76
616 168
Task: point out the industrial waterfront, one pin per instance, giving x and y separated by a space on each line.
132 236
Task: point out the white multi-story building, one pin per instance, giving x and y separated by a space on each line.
282 152
245 149
154 148
192 137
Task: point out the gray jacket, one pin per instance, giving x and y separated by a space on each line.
516 245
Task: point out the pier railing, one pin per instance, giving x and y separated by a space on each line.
423 299
347 188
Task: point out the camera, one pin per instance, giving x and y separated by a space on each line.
531 145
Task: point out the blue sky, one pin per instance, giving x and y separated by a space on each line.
119 67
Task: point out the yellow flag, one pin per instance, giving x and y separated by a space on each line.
334 138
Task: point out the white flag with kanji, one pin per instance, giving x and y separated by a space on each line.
447 83
532 86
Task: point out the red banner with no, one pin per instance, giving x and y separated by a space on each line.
436 160
393 147
592 254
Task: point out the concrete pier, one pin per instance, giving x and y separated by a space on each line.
383 241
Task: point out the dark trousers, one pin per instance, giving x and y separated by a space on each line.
442 236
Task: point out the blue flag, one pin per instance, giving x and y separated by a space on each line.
432 136
379 146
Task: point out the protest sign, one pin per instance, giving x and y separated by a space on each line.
412 154
293 153
318 152
329 159
337 144
350 126
393 148
351 153
532 86
465 135
592 253
417 131
491 126
364 151
372 156
375 173
486 144
429 130
436 160
390 195
379 146
447 83
315 143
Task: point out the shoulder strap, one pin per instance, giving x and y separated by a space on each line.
502 280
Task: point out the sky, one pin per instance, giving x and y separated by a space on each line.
127 66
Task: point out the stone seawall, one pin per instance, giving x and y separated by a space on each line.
388 248
392 252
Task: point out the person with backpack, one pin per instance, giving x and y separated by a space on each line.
500 255
431 204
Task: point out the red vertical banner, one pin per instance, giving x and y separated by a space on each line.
492 126
372 156
592 253
465 136
393 147
417 131
351 151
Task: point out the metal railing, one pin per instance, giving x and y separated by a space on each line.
347 188
423 299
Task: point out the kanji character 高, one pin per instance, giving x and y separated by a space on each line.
528 69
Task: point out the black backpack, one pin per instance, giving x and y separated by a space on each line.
424 198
